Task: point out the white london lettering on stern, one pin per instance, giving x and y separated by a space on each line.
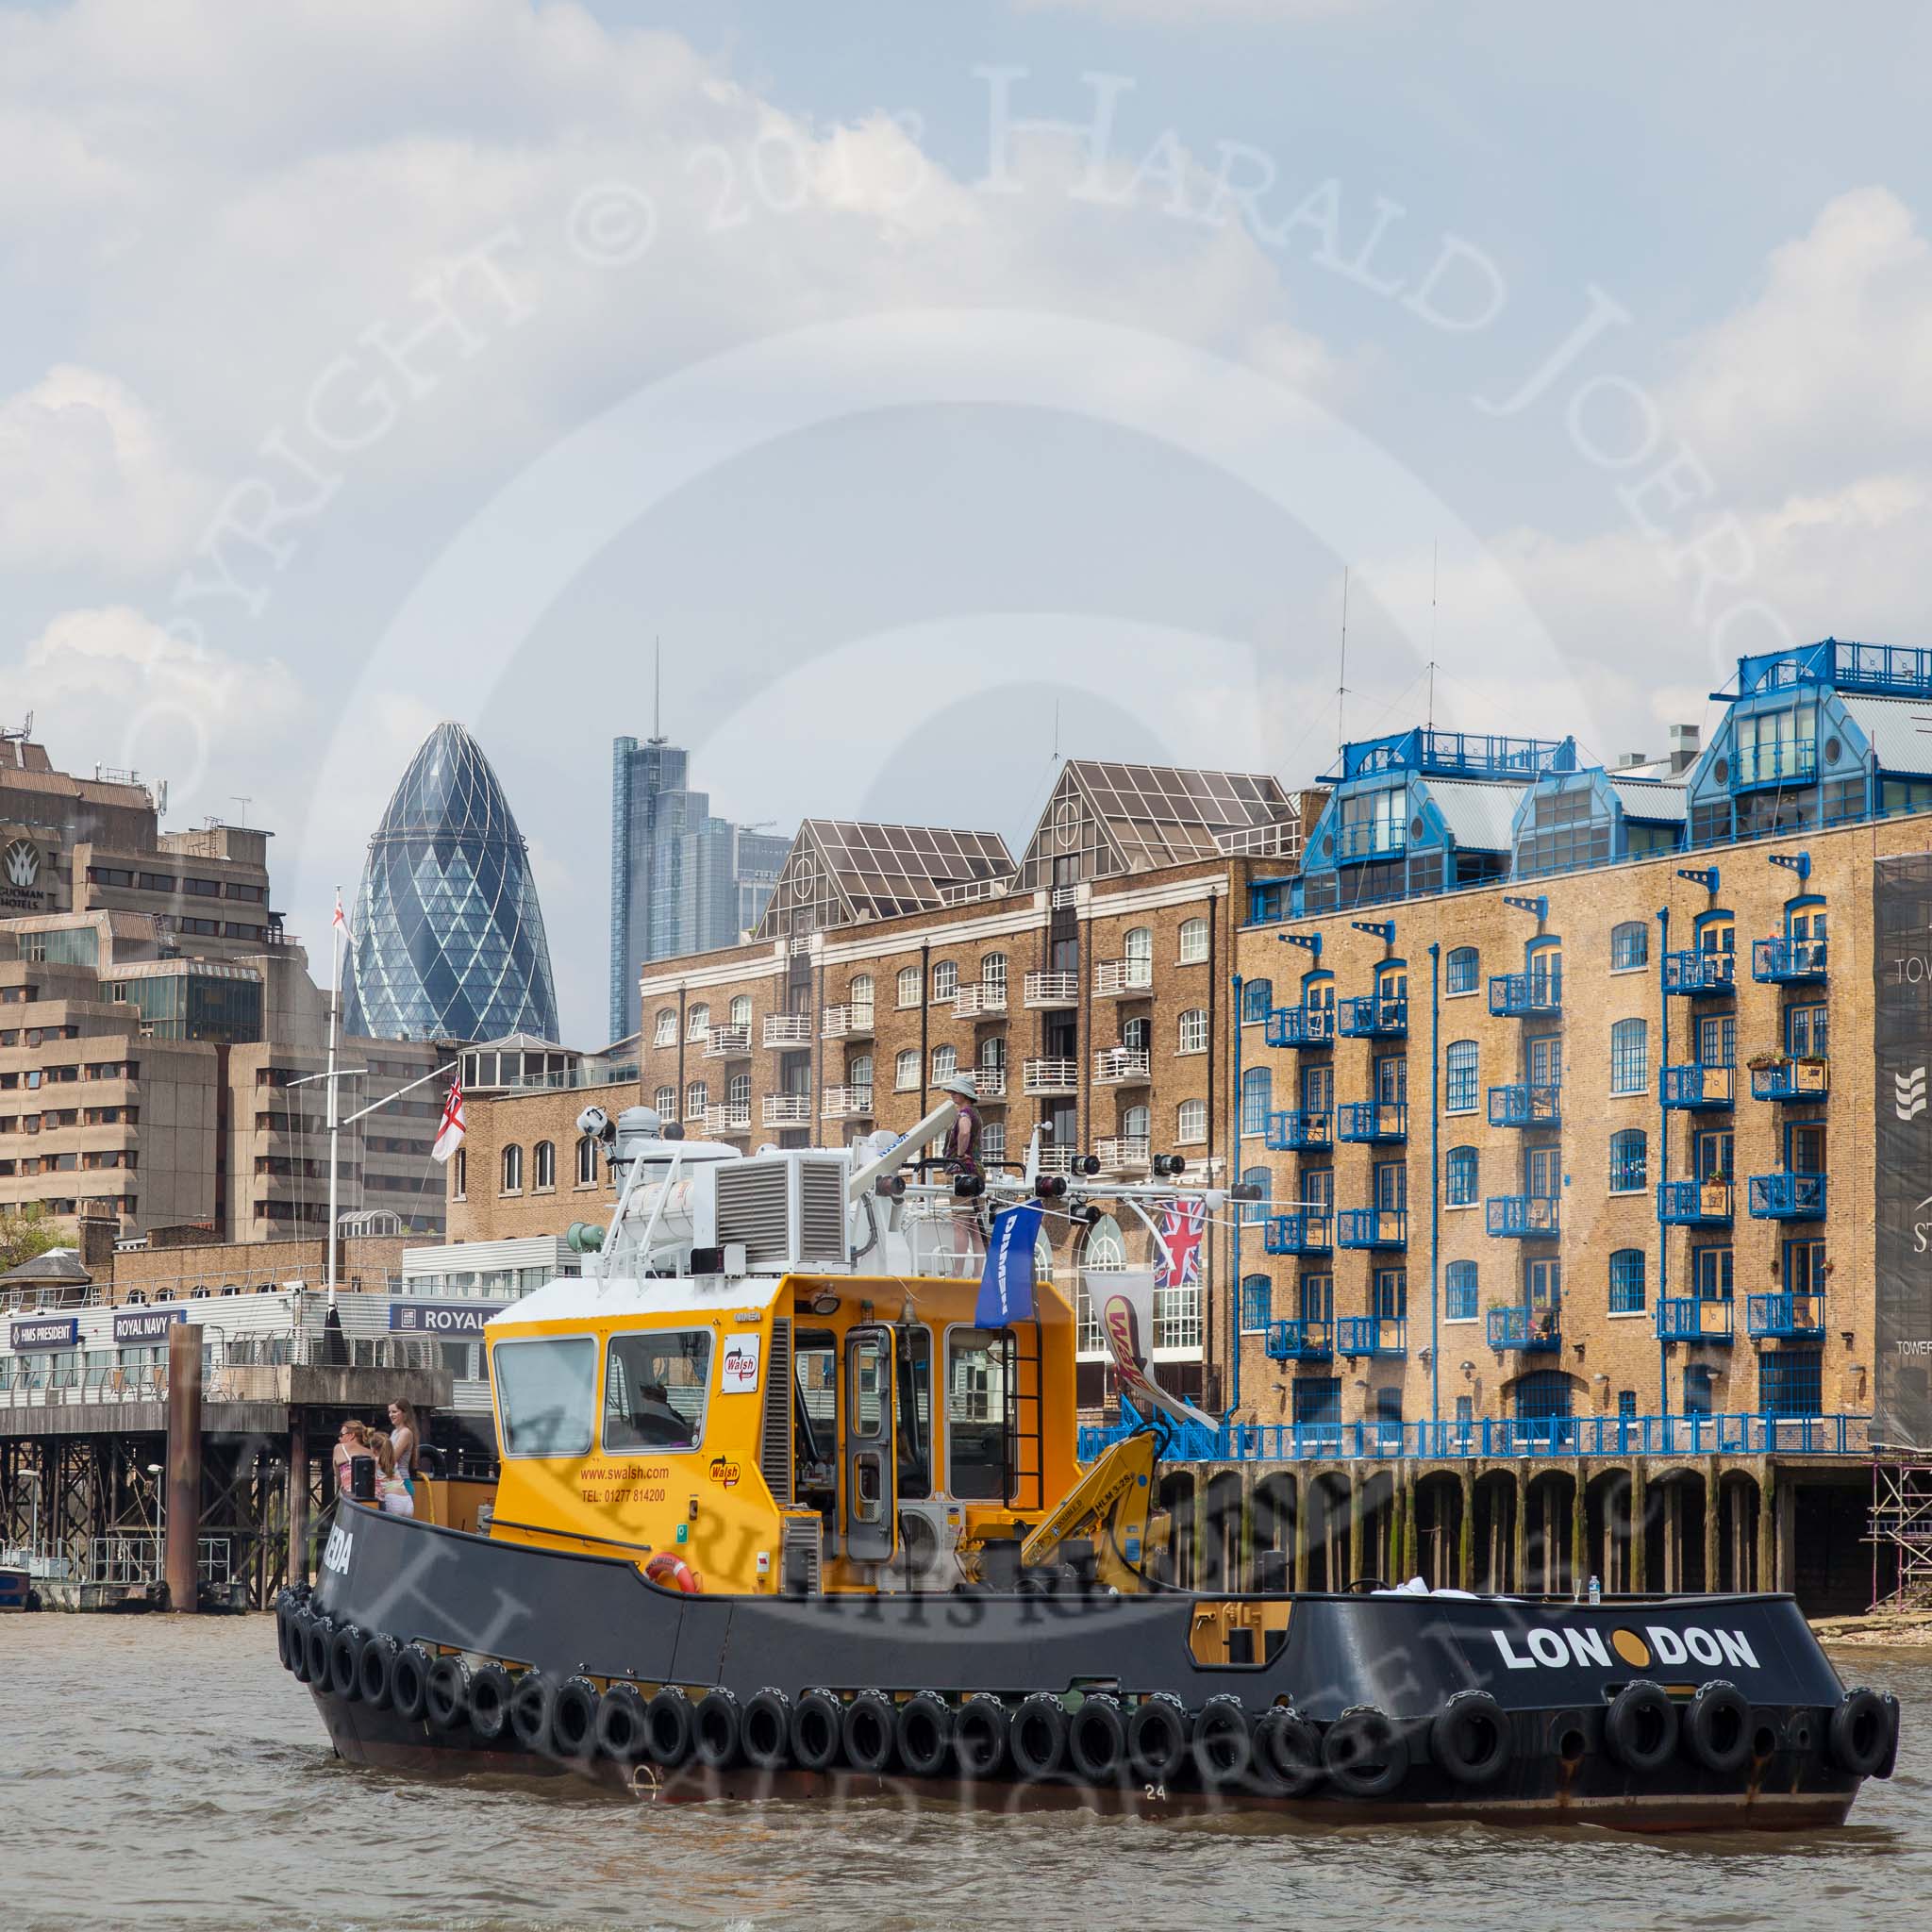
1510 1656
1588 1647
1666 1645
1547 1648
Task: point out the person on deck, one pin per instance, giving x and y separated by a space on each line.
960 1149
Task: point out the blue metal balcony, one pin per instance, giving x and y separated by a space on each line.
1694 1087
1300 1027
1373 1016
1788 962
1776 761
1299 1342
1694 1204
1524 1217
1535 1331
1371 1227
1525 995
1698 975
1384 1335
1371 838
1303 1232
1694 1318
1289 1131
1786 1196
1806 1079
1784 1317
1526 1105
1375 1121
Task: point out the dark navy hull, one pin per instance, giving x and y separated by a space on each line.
1553 1671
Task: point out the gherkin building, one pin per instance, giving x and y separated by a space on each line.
446 940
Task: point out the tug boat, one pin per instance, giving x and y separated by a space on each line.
783 1511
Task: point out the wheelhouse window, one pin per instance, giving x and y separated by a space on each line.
979 1379
545 1390
655 1386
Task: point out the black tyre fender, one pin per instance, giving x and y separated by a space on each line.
923 1734
1469 1738
1365 1753
667 1727
1641 1727
765 1734
718 1729
375 1664
491 1690
574 1721
532 1712
1717 1726
1862 1734
1288 1748
1222 1750
621 1723
298 1645
1158 1738
818 1728
284 1615
870 1726
980 1728
446 1693
316 1645
344 1654
1097 1739
408 1683
1038 1739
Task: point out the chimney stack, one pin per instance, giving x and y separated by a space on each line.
1684 748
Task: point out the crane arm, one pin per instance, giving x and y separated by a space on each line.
1110 1504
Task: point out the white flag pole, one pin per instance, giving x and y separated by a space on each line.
335 1001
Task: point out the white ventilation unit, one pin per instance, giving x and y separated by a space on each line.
787 1209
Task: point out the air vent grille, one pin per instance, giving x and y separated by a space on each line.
775 1437
799 1555
751 1209
822 1215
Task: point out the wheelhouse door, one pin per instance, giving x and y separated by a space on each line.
871 1503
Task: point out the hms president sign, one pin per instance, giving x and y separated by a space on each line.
1902 1131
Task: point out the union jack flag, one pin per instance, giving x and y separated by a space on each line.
1177 1253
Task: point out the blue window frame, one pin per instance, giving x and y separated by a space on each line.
1629 945
1711 1274
1391 1293
1627 1282
1807 1035
1626 1404
1803 1268
1318 1088
1459 1078
1459 1291
1462 1181
1269 901
1543 1393
1258 1293
1317 1297
1464 970
1257 1001
1790 1382
1465 1411
1262 1177
1389 1405
1629 1056
1629 1159
1258 1096
1391 1187
1696 1388
1318 1399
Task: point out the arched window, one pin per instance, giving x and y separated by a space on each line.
1136 1035
698 1096
992 1053
665 1101
1629 1056
666 1034
992 1144
906 1072
859 993
1463 971
741 1010
1460 1291
1627 1282
1459 1177
1193 941
945 1063
1255 1211
1257 1089
859 1070
1258 1293
1192 1031
1541 1394
1137 1124
513 1169
1629 946
1257 1001
1629 1152
697 1022
587 1161
1459 1088
738 1092
1138 947
1190 1122
909 986
543 1165
945 980
993 971
1103 1251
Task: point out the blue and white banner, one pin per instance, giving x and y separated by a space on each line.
147 1325
1006 1289
64 1333
442 1318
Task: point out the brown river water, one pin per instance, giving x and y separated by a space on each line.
162 1773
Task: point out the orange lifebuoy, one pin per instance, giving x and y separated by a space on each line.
671 1572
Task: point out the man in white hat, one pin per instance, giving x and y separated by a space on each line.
962 1149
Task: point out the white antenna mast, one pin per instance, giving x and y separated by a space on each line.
1434 561
1342 673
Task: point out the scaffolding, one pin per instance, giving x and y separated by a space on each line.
1901 1535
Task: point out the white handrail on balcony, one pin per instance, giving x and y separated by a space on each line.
1052 1077
979 996
1066 895
1056 1160
847 1022
846 1103
991 1082
970 892
1113 977
727 1043
787 1029
1053 988
1114 1066
787 1111
728 1119
1124 1152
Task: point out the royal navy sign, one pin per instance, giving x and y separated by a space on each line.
1902 1135
442 1318
44 1333
147 1325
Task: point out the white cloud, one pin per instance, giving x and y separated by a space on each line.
1198 12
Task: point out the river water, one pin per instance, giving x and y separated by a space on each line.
162 1773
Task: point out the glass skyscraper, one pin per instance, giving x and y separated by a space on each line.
446 940
681 881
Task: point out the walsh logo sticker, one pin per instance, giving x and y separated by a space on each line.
1567 1648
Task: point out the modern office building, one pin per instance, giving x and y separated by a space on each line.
681 879
446 938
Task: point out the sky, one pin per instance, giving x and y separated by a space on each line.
939 385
